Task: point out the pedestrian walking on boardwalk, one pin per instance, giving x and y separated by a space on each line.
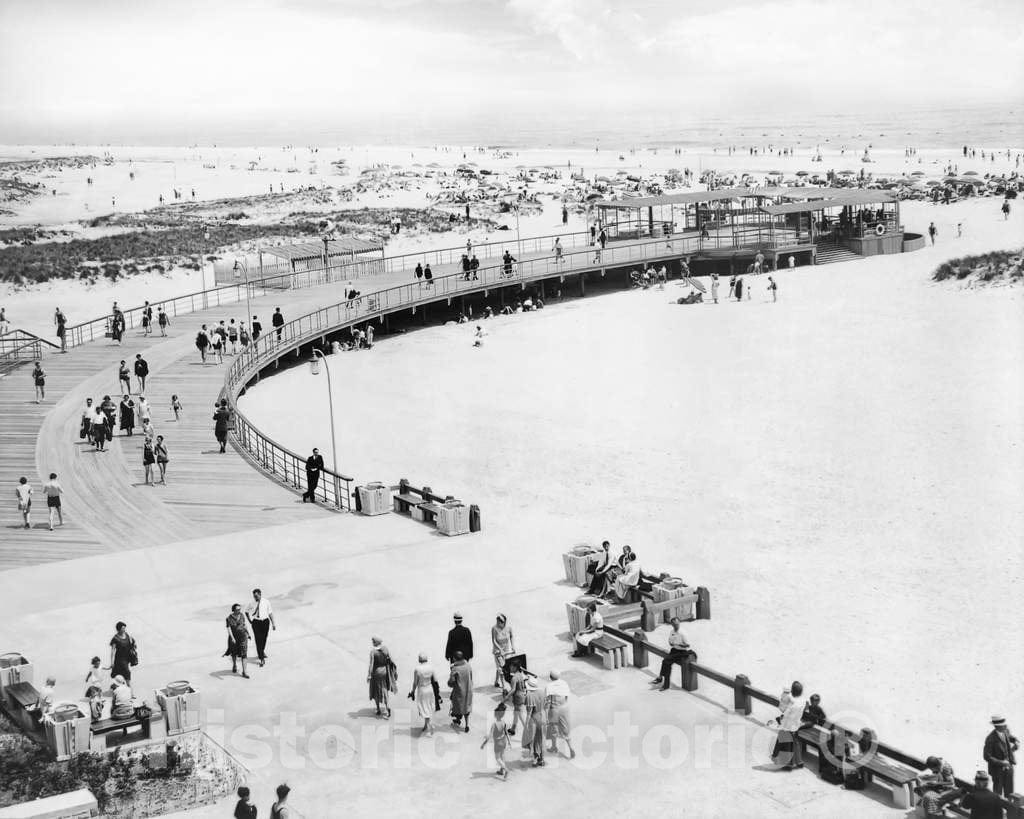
460 681
381 676
425 693
162 320
502 646
222 418
124 652
261 617
148 459
238 639
279 810
257 329
556 700
460 638
39 379
277 320
53 490
202 342
160 450
499 737
124 376
61 321
99 429
23 491
176 407
536 721
141 371
147 319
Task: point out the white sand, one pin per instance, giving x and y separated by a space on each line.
843 469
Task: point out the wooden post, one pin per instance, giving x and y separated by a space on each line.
583 285
741 697
640 658
703 603
689 681
646 617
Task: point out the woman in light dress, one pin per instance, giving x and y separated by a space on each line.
424 685
502 646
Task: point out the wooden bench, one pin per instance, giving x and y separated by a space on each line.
23 698
426 512
101 727
612 651
404 503
899 779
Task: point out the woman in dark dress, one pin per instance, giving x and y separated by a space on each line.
379 676
238 639
148 459
127 415
124 653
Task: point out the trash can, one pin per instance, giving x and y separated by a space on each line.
374 499
453 519
474 518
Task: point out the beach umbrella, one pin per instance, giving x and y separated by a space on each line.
918 173
592 196
933 183
970 173
802 173
774 173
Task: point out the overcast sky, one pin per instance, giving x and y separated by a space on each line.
218 67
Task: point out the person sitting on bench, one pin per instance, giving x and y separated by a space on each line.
593 631
678 652
600 569
121 707
44 704
629 578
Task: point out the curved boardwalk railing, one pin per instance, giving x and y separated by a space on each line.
233 293
288 466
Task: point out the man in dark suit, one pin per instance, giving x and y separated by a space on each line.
982 803
459 639
1000 746
314 466
277 320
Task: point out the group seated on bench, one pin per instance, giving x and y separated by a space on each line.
621 579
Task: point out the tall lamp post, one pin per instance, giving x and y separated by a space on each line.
314 368
243 265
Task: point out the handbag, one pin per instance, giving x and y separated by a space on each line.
133 653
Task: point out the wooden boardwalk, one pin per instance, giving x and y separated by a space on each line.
107 506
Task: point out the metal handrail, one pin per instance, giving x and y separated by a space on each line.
741 687
289 466
97 328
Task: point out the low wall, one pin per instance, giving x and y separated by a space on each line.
912 241
872 245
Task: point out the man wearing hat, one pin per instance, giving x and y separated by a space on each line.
460 639
982 803
1000 745
536 722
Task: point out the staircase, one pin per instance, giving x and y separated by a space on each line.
830 252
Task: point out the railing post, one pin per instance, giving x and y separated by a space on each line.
742 701
689 681
640 658
703 604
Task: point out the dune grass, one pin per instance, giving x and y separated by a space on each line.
985 267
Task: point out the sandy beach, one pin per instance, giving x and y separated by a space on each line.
837 467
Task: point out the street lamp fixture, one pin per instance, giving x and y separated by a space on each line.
314 369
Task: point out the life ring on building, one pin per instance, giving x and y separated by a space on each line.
880 229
